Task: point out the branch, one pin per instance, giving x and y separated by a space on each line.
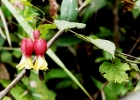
58 34
116 36
134 45
21 75
130 56
100 91
12 84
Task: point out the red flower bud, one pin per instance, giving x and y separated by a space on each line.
36 34
40 47
27 47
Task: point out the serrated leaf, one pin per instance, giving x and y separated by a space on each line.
101 43
27 3
67 25
44 29
27 19
114 72
69 10
135 66
104 44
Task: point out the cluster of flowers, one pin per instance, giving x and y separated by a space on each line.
39 47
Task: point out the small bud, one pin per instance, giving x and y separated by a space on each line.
36 34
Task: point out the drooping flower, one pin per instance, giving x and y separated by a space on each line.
40 48
27 50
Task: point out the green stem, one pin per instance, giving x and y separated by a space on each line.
40 11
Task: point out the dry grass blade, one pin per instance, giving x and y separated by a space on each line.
6 28
2 34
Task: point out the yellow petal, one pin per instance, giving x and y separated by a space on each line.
25 62
21 64
28 63
40 64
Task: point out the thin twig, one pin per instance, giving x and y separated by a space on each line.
2 34
80 2
130 56
8 48
103 95
134 45
127 60
6 28
12 84
116 36
55 38
100 90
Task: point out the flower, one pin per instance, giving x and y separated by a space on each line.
40 48
27 50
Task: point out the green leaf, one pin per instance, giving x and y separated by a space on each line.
69 10
56 73
87 2
66 25
6 98
68 40
2 40
114 72
91 9
17 53
6 57
66 83
135 13
104 44
99 59
44 29
135 66
97 83
27 19
27 3
101 43
104 32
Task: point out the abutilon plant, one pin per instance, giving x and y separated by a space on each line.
27 50
40 48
